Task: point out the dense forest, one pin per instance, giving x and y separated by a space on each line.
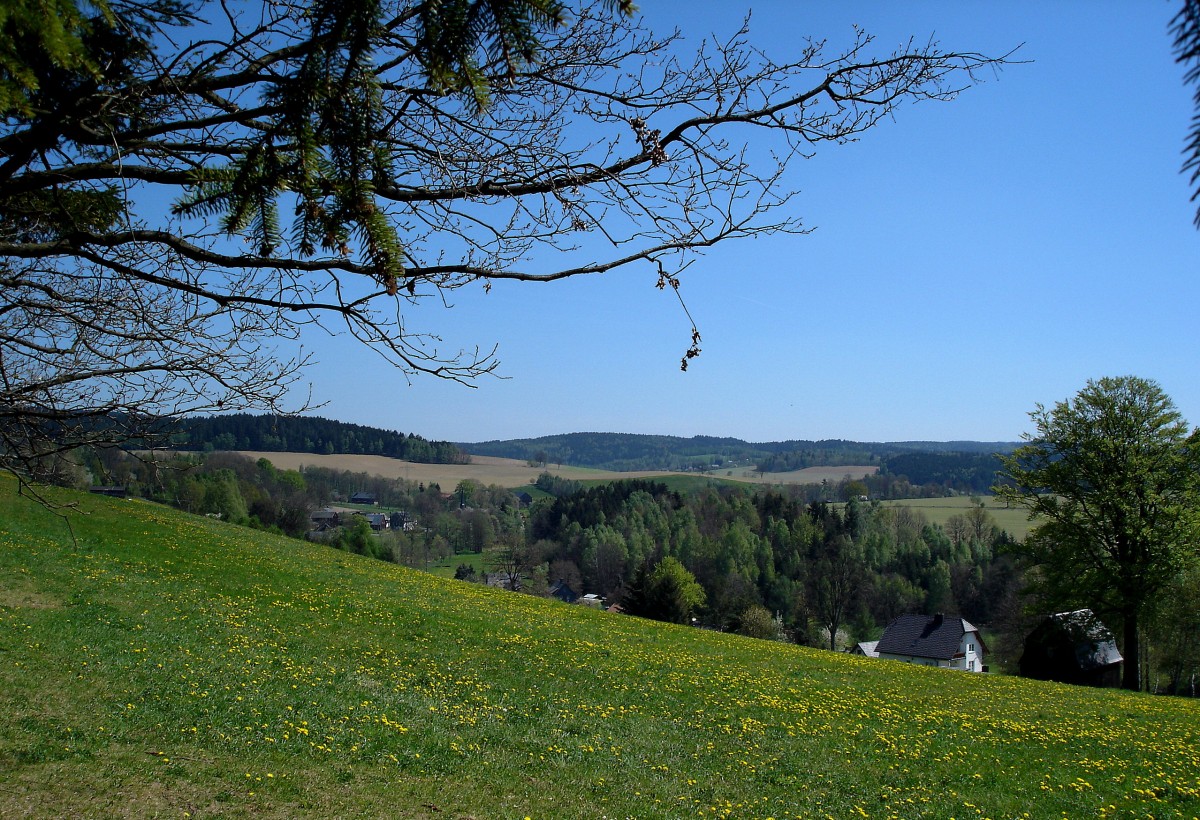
966 473
829 573
309 434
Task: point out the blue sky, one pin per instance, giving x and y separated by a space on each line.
969 260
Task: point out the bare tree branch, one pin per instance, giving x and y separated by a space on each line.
125 198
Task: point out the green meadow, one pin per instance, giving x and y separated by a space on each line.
1013 520
164 665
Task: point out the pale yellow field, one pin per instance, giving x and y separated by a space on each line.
511 472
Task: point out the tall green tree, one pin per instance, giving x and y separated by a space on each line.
668 592
837 579
1113 477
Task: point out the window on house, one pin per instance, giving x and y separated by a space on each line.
970 647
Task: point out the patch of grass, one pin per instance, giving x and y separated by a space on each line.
1012 520
447 566
173 664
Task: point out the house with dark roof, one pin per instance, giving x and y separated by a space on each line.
1072 647
561 590
947 641
363 498
378 521
325 519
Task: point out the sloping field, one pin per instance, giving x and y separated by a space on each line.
507 472
510 472
173 666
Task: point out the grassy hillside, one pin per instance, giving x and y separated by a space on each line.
175 666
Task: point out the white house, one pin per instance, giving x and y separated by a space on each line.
947 641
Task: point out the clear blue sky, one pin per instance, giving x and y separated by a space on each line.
970 260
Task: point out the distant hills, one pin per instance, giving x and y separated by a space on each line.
962 465
628 451
965 466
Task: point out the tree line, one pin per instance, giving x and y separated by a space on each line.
311 434
253 492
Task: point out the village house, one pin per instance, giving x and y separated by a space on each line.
1072 647
561 590
503 580
325 519
947 641
378 521
403 522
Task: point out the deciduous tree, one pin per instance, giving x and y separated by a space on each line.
838 576
1113 477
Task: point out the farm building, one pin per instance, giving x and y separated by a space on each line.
561 590
947 641
1072 647
868 648
325 519
503 580
378 521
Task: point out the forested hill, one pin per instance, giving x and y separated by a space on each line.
304 434
628 451
624 451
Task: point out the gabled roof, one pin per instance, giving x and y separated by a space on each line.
1095 645
868 648
562 590
925 636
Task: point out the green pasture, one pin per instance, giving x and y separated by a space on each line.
1012 520
447 566
165 665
